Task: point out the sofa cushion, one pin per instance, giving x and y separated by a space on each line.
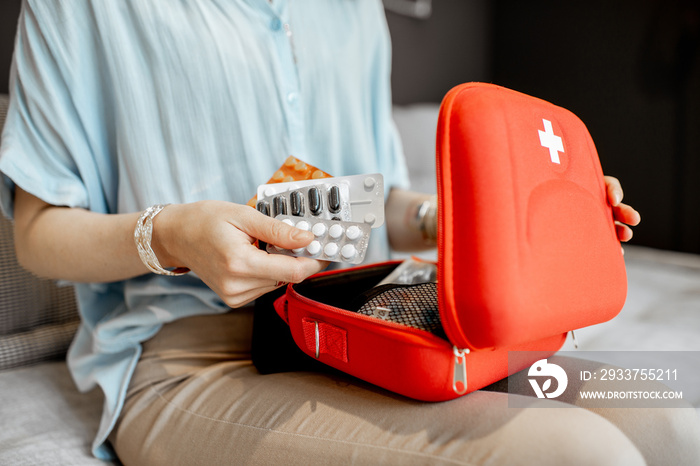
45 420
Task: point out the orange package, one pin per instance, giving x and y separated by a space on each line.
293 169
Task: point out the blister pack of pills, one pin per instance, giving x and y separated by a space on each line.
356 198
334 241
327 201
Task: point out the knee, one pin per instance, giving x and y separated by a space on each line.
674 436
579 437
604 446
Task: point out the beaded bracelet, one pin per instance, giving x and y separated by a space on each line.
142 237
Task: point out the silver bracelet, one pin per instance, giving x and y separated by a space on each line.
142 237
425 220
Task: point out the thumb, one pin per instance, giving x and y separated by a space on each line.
276 232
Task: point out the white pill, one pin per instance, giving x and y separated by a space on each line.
269 192
353 232
288 221
319 229
304 225
336 231
298 250
331 249
370 219
348 252
369 183
314 248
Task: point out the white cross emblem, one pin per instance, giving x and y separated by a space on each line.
551 141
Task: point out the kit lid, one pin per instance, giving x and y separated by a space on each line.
527 246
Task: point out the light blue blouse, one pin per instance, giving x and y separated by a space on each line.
118 105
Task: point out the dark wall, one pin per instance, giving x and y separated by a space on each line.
432 56
9 11
631 70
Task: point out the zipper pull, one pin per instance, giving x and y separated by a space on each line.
573 339
459 374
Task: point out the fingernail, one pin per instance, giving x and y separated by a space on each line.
617 197
301 235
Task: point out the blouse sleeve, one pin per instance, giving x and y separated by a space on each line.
45 149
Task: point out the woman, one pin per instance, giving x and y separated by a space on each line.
119 106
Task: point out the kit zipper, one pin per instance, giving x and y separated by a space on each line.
445 112
444 164
459 371
459 366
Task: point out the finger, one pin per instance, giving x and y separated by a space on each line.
241 290
626 214
624 233
279 267
249 296
272 231
614 190
264 286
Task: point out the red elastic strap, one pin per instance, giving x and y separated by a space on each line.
324 338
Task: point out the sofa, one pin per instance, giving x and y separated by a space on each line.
45 420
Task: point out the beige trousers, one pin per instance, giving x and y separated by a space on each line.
197 399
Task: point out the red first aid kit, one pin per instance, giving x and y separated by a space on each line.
527 251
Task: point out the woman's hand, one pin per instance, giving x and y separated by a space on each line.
624 215
215 240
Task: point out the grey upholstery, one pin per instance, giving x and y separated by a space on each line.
37 317
45 420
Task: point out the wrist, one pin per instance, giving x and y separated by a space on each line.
424 220
161 241
151 238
